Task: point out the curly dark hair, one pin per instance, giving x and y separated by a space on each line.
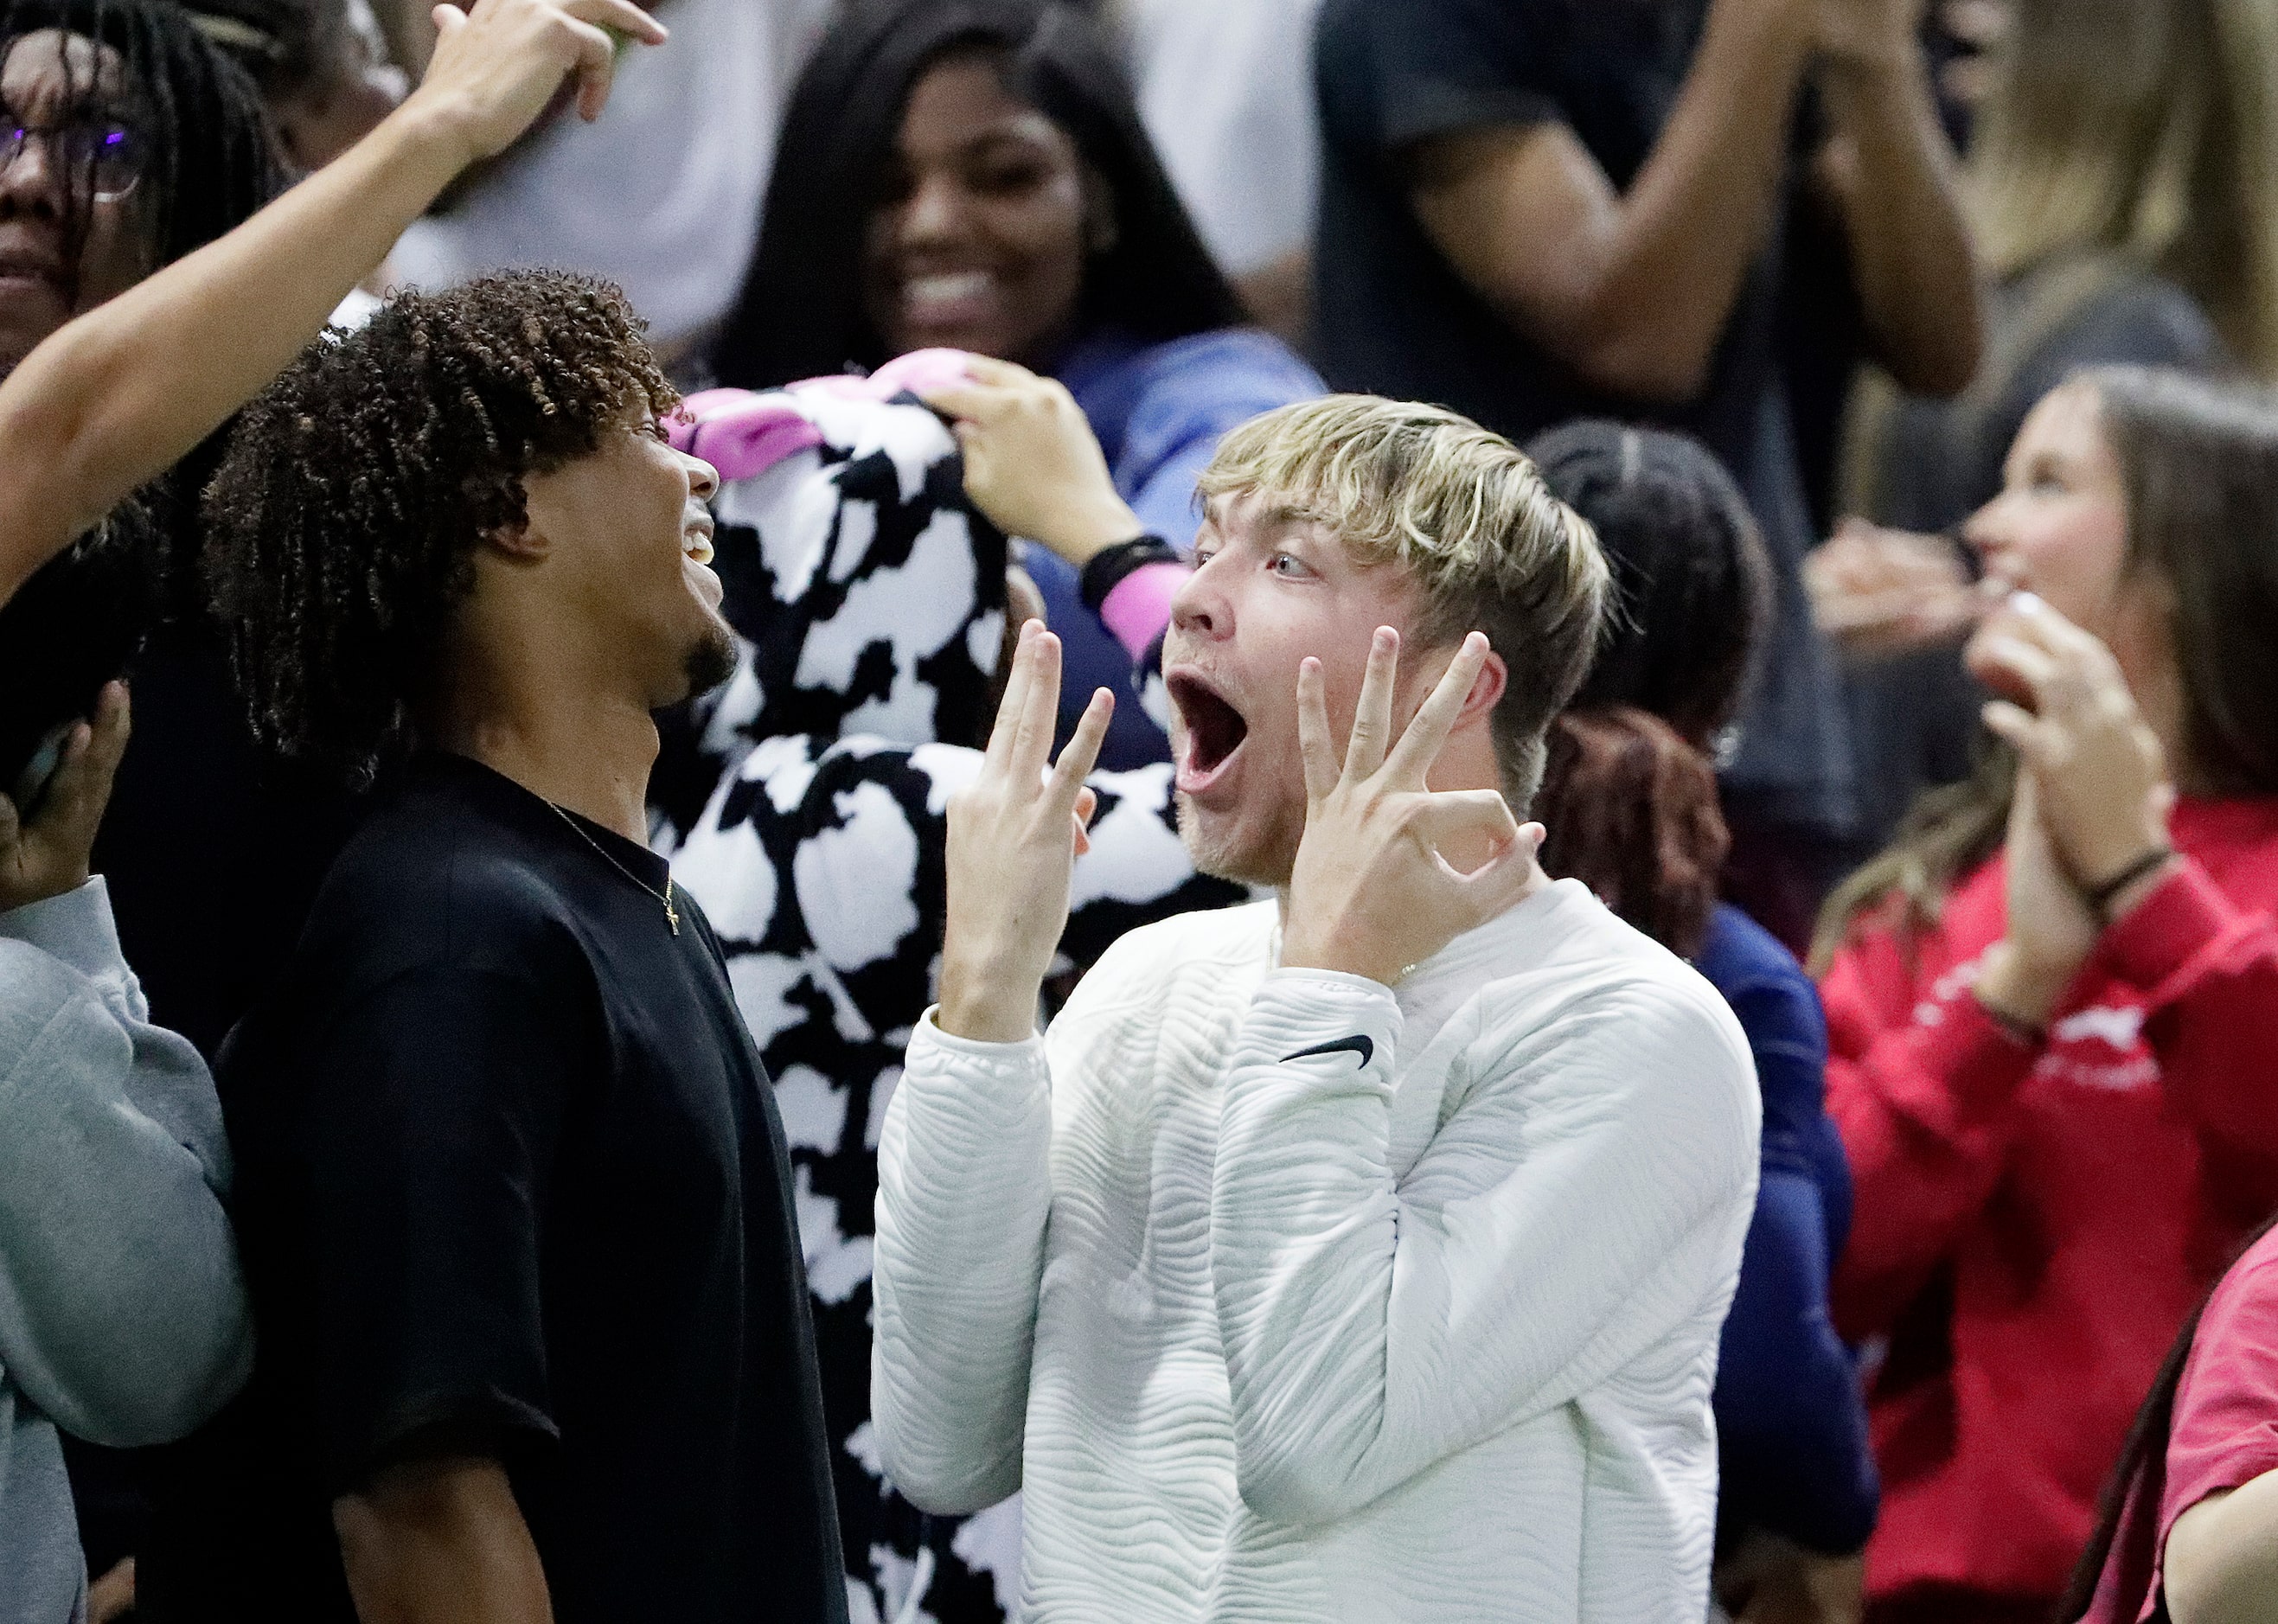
347 511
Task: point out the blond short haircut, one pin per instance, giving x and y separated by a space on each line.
1464 512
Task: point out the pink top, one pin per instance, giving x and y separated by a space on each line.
2224 1436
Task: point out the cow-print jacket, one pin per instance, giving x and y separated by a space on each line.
803 807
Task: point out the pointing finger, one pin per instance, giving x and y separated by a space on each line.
1373 720
1427 731
1014 703
1068 790
1320 756
1032 745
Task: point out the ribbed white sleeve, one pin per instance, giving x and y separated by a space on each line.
964 1190
1579 1199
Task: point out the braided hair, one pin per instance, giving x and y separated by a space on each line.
214 160
344 520
213 163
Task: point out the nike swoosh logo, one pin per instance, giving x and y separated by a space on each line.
1357 1043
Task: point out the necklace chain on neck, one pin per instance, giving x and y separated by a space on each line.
671 914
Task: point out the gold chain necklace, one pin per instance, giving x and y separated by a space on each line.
671 914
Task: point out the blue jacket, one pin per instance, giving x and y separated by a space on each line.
1160 410
1791 1421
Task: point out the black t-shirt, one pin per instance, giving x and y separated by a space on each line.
510 1179
1393 317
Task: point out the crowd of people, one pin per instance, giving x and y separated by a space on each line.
922 811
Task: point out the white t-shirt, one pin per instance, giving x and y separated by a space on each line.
1226 88
1284 1296
661 194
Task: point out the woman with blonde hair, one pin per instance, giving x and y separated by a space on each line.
2123 186
2050 1003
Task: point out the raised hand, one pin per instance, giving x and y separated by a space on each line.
1032 462
46 853
498 65
2100 774
1879 592
1015 834
2049 931
1373 892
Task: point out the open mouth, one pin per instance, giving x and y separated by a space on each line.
1212 731
697 544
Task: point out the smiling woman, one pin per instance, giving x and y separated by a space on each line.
973 174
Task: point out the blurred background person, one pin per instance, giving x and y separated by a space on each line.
1630 801
2050 1001
323 67
1537 211
194 157
2189 1533
1228 94
2121 186
973 174
659 195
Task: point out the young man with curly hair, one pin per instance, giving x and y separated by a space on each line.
1359 1255
513 1193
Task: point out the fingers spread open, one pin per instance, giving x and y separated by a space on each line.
1313 745
1014 703
1427 731
1373 720
1032 745
1081 755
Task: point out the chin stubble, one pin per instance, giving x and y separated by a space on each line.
711 662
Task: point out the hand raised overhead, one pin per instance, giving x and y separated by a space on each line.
1372 893
1015 834
498 63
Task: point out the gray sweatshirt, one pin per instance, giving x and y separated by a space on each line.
122 1315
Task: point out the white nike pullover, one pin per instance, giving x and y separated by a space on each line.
1420 1325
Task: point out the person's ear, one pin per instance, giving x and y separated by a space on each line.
523 543
1488 689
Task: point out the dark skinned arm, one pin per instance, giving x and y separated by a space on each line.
1631 290
440 1540
1892 177
118 395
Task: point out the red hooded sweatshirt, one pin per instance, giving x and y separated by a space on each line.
2035 1220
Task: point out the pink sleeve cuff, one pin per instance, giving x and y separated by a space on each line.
1139 607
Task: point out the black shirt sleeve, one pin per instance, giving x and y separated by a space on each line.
1421 68
437 1103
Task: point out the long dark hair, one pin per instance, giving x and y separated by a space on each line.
2198 463
801 312
1629 796
213 163
2147 1437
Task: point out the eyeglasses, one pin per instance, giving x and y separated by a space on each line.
103 156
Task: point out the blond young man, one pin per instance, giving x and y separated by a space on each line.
1357 1255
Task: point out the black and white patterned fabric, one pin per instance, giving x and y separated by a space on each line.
871 600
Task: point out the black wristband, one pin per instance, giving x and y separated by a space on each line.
2100 894
1110 567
